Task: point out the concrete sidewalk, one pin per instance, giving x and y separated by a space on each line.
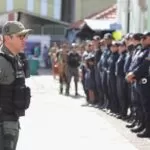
57 122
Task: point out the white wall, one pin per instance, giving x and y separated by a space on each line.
122 14
137 22
57 9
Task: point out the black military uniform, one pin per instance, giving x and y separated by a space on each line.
135 97
111 81
142 77
122 91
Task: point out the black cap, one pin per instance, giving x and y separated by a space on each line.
129 36
146 34
122 43
96 37
108 36
137 36
115 43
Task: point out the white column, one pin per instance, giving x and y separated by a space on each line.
9 5
44 7
30 5
57 9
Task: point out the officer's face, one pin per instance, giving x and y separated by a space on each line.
108 41
17 42
122 48
146 40
96 43
129 41
114 48
90 47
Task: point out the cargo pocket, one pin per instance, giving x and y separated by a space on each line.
10 133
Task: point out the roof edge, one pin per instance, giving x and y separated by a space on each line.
35 15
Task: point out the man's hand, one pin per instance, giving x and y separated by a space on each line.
130 77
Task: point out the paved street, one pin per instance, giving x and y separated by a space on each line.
57 122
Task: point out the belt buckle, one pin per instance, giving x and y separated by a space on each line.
144 80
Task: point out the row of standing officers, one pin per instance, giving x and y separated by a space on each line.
116 78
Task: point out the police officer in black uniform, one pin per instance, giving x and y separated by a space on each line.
98 53
140 75
14 94
112 88
104 66
122 92
136 103
128 59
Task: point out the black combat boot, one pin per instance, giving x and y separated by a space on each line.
76 89
133 124
146 132
61 89
139 128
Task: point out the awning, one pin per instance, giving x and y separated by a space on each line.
102 24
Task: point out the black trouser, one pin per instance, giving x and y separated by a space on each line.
114 103
99 91
145 101
105 86
122 92
136 102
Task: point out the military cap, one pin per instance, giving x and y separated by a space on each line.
146 34
129 36
96 37
108 36
122 43
115 43
14 27
137 36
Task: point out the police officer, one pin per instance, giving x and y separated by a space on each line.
112 88
14 94
121 82
140 76
98 53
128 59
136 56
104 66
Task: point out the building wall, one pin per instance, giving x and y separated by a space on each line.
84 8
48 8
138 17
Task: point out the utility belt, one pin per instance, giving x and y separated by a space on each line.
14 99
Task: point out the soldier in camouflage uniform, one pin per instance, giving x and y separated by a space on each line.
14 94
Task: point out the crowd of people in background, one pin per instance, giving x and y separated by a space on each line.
115 76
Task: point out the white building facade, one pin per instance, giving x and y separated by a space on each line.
133 15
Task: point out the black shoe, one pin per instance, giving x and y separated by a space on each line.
144 134
131 125
76 94
138 129
61 90
67 93
85 105
119 117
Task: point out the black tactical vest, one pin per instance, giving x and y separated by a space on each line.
14 98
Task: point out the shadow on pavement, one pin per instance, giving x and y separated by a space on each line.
76 97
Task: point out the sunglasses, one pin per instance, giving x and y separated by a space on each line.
21 36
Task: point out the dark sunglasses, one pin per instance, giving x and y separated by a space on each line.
21 36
